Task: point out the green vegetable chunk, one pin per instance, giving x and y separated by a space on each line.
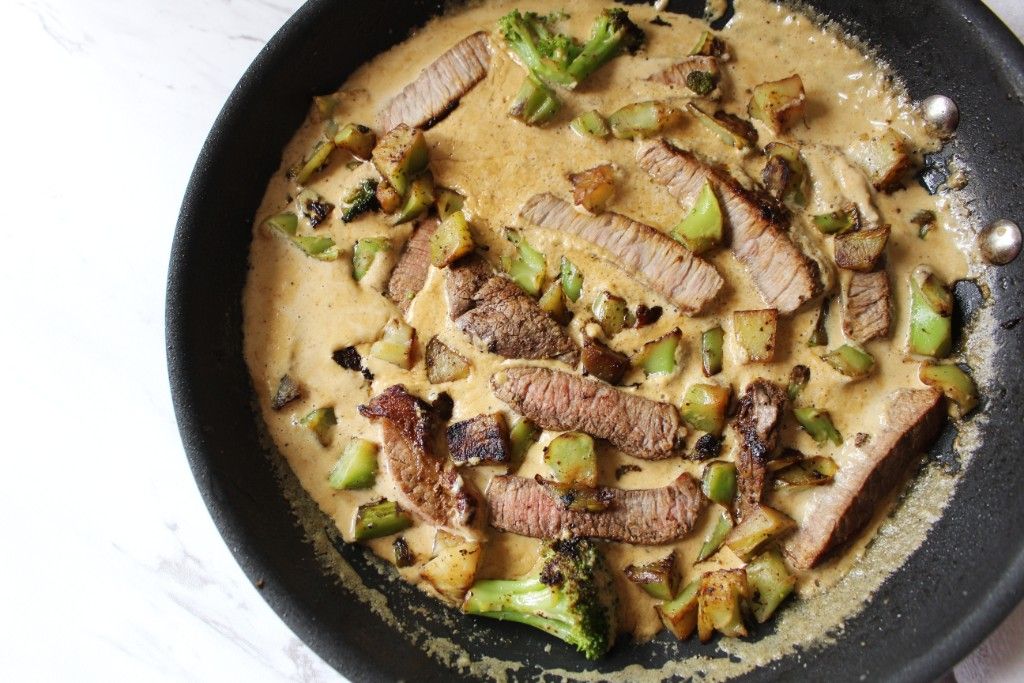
708 45
819 334
931 310
572 459
770 582
359 200
383 518
448 202
357 139
701 230
590 124
759 526
838 222
658 357
572 279
786 176
611 34
799 376
850 361
717 536
956 384
780 104
711 350
400 156
316 160
320 421
732 130
418 200
700 82
817 470
527 269
719 482
535 103
818 423
704 407
680 614
642 119
364 252
659 578
611 312
545 54
521 437
357 467
451 240
321 248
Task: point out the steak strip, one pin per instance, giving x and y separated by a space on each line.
561 401
410 273
867 306
438 88
641 516
431 487
660 262
758 422
911 422
785 277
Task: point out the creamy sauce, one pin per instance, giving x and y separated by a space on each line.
299 310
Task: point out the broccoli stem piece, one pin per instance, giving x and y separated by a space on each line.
569 595
535 103
612 33
544 55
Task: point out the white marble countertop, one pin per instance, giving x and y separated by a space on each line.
114 569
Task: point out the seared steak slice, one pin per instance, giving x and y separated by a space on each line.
758 421
410 273
677 74
438 88
867 306
479 440
656 259
465 277
561 401
910 423
641 516
431 487
784 275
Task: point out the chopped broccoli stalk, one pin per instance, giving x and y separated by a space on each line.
591 124
321 248
717 536
839 221
357 467
362 198
816 470
357 139
521 437
572 459
314 208
612 33
535 103
770 583
451 240
956 384
799 376
658 357
611 312
317 159
701 230
711 350
785 175
709 45
383 518
419 199
658 578
569 595
704 407
931 310
320 421
401 155
364 252
819 335
448 202
546 55
719 481
759 526
396 344
528 268
818 423
571 278
850 361
730 129
642 119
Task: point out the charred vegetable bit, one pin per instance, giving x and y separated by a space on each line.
701 230
818 423
817 470
320 248
770 584
719 482
400 156
321 422
443 405
924 220
755 332
730 129
716 537
364 252
591 189
707 446
883 158
395 345
956 384
700 82
658 357
838 222
861 250
452 569
448 202
379 519
571 279
779 104
799 376
575 497
569 595
759 526
590 124
709 45
418 200
287 391
642 119
528 267
314 208
931 311
481 440
521 437
785 175
357 467
611 312
612 34
552 302
444 364
316 160
602 362
403 554
712 350
658 578
704 407
356 139
850 361
572 459
679 615
819 334
535 103
645 315
720 601
362 198
451 240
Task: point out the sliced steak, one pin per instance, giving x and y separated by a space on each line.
431 487
464 279
910 423
438 88
479 440
676 74
641 516
758 422
660 262
867 306
561 401
410 273
785 277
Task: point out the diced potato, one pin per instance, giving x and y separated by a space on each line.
453 568
357 139
602 362
592 188
572 459
956 384
680 614
479 440
401 155
761 525
451 240
884 158
552 302
387 197
444 364
611 312
643 119
780 104
658 578
705 406
396 344
730 129
770 584
418 200
861 250
755 334
720 603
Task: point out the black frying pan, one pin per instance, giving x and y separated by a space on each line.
953 591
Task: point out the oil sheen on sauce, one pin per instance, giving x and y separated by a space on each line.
299 310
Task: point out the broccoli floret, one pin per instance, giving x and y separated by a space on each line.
570 595
361 199
543 52
613 32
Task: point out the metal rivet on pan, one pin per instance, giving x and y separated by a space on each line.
1000 241
941 112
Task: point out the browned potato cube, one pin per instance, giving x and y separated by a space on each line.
861 250
884 158
719 603
603 362
591 189
444 364
453 568
780 104
755 334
